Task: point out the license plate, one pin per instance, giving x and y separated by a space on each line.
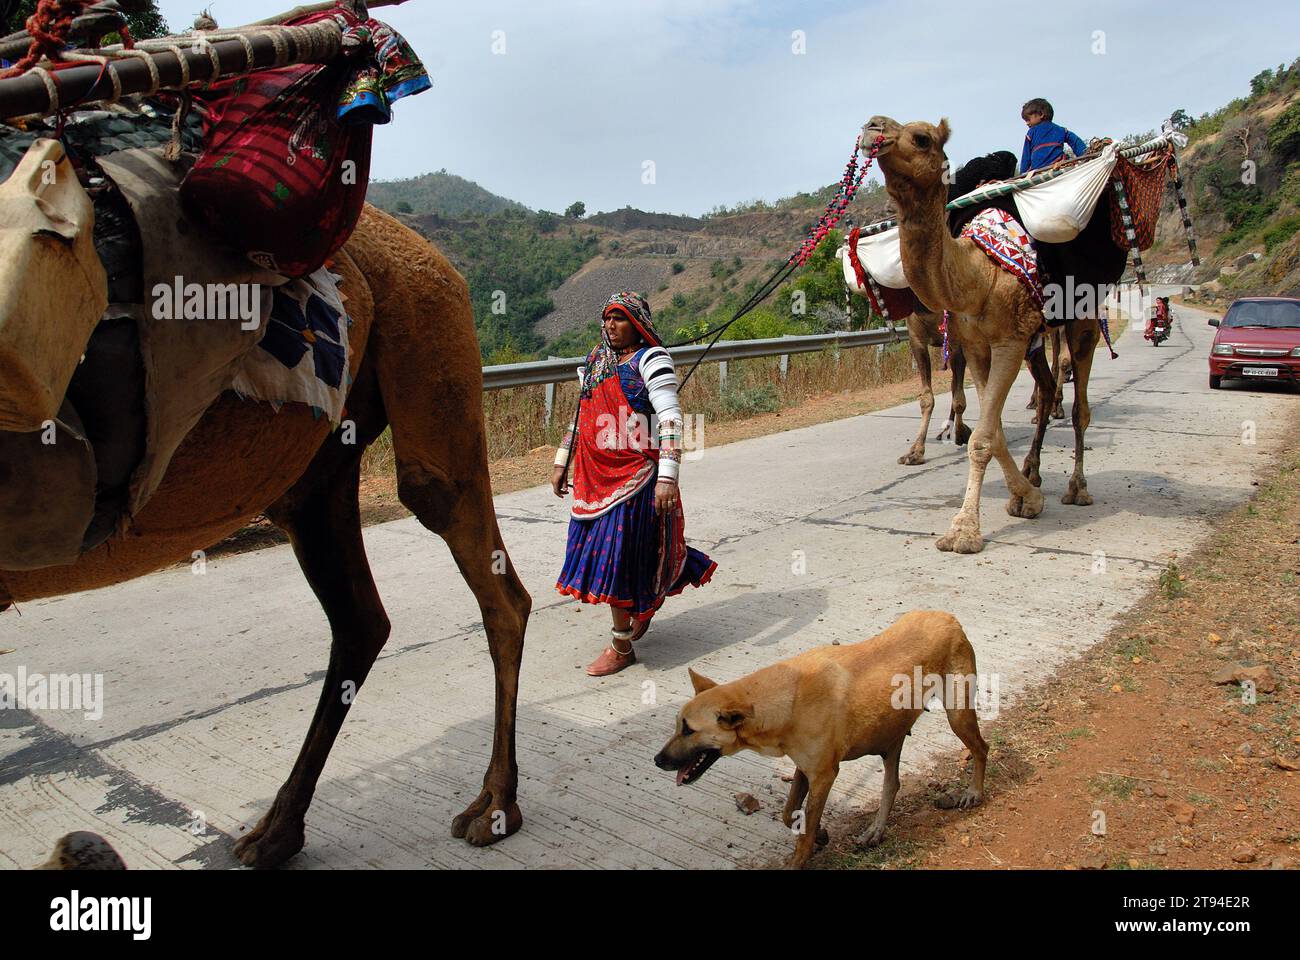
1260 371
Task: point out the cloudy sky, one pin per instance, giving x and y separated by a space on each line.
563 100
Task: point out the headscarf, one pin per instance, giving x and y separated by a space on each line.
604 359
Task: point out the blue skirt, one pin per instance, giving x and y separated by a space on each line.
614 558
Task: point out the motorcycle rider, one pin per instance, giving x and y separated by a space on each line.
1160 314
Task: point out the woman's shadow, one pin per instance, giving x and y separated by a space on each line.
730 628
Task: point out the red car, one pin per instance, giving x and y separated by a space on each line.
1258 339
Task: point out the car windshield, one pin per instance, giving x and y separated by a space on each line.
1274 314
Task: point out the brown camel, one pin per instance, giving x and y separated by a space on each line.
416 367
994 315
923 332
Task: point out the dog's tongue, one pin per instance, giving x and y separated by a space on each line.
682 774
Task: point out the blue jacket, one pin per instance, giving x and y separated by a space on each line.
1044 145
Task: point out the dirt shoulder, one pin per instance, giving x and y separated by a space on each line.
1142 753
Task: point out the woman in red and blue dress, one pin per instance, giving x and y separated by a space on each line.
627 544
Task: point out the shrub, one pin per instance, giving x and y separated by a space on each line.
1280 233
741 401
678 267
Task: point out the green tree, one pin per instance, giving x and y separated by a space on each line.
576 211
145 25
404 207
1180 119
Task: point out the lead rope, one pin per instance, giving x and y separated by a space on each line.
835 209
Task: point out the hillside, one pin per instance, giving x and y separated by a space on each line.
441 193
549 275
1242 171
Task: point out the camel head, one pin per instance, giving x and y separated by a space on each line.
912 152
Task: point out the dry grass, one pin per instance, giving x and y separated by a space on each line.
516 419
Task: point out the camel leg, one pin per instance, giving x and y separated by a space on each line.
1045 387
1058 364
995 372
1083 336
321 516
921 355
430 376
888 791
957 360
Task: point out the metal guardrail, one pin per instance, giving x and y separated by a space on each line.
538 372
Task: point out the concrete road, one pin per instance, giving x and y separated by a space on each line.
209 681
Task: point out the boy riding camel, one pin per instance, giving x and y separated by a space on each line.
1046 141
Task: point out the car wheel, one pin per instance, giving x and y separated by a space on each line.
1215 381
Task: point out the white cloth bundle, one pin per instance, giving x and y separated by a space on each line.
1055 211
881 257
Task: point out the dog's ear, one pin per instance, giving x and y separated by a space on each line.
944 131
732 718
700 682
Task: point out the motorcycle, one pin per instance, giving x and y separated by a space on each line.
1161 322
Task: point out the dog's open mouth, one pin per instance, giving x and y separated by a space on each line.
697 765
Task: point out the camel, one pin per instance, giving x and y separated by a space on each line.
416 367
923 332
995 318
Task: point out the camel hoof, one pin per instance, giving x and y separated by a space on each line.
960 541
270 844
963 435
1027 507
912 459
871 837
484 823
1058 414
1078 496
823 837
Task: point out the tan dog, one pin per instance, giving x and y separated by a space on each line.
834 704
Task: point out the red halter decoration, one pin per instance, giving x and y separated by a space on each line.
839 203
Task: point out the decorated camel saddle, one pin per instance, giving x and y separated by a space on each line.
157 252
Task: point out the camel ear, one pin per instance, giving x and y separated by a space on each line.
700 682
944 131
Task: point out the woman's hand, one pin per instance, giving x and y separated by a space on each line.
665 496
559 482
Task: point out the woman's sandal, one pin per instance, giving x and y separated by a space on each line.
612 659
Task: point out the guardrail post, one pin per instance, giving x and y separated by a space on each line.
550 395
722 376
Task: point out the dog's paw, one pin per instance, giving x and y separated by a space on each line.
871 837
959 800
822 837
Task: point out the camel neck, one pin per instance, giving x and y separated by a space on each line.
931 257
